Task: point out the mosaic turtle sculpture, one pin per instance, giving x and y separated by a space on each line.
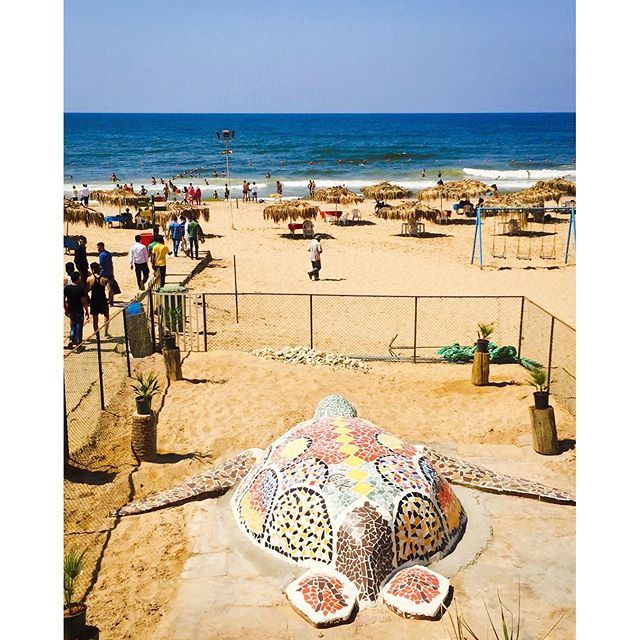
361 509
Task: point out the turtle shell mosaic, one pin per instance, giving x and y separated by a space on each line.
363 510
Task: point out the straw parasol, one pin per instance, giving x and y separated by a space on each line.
337 195
545 190
290 211
184 209
76 213
119 197
408 211
386 191
454 190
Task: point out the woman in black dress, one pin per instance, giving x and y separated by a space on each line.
99 303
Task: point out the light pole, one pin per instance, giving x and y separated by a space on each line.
225 136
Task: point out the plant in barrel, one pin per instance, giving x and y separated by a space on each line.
538 379
145 387
172 316
484 331
75 613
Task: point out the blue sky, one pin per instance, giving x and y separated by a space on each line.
313 56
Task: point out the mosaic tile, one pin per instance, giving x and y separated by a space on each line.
416 592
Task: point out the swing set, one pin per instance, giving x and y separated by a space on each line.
515 222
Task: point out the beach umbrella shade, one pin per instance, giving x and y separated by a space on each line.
454 190
290 211
76 213
337 195
386 191
555 189
185 209
408 211
119 197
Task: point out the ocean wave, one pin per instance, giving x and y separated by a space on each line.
519 174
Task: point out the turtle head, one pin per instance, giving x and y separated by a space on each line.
334 406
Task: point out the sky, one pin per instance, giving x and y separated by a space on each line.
286 56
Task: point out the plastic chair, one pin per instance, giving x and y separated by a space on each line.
307 229
344 219
356 215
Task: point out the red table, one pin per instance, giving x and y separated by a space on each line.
333 214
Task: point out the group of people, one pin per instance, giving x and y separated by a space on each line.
192 195
88 290
249 192
82 196
312 188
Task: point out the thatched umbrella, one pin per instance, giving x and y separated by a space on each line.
386 191
555 189
282 211
185 209
119 197
337 195
76 213
454 190
408 211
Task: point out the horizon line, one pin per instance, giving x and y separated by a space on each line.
315 113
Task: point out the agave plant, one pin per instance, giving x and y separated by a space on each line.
172 317
484 330
72 565
538 379
146 386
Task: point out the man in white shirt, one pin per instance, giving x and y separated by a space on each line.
138 259
315 249
84 195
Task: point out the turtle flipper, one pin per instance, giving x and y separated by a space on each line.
417 592
323 597
471 475
213 481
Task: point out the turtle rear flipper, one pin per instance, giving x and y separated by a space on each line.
323 597
417 592
212 482
472 475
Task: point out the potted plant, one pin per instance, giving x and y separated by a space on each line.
75 613
172 319
538 379
145 387
484 331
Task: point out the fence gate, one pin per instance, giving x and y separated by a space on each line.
185 315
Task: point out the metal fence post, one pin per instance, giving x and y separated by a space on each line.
66 426
553 319
204 318
415 329
521 325
100 380
311 320
235 286
151 316
126 340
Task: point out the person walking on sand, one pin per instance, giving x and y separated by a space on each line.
106 269
254 192
194 231
76 308
80 258
198 195
226 191
75 194
176 233
160 252
99 305
84 195
315 249
69 269
139 260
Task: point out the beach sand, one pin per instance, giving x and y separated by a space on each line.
371 258
145 576
170 573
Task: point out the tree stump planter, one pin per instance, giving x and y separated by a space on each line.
144 436
480 370
543 428
172 364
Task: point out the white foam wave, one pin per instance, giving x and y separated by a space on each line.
519 174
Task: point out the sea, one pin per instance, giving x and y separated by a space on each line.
511 150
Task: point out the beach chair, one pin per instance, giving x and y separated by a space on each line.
307 229
356 215
468 211
344 219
